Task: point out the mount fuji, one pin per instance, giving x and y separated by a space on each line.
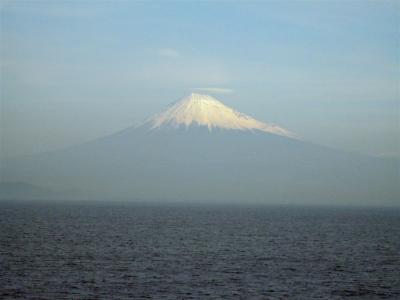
199 149
204 110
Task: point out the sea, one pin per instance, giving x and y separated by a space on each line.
104 250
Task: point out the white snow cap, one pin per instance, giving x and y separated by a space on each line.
204 110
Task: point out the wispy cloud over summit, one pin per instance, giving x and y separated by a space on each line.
215 90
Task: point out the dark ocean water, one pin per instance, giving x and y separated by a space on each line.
121 251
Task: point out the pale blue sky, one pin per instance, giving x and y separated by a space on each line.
73 71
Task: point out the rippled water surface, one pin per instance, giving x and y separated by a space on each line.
121 251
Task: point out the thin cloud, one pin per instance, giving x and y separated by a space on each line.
168 52
215 90
49 10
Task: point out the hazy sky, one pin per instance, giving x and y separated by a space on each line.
74 71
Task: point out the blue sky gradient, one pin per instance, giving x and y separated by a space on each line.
73 71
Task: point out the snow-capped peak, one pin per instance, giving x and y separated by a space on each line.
204 110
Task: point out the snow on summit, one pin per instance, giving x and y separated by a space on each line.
204 110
